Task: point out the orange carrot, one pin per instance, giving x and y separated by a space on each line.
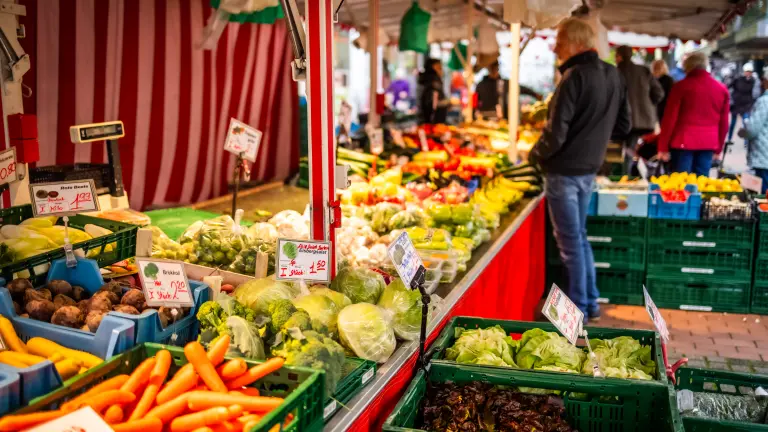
246 391
149 424
232 369
176 387
171 409
139 376
227 426
204 400
196 355
203 429
218 350
255 373
113 383
19 422
110 397
192 421
114 414
157 376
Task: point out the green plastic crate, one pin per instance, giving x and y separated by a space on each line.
174 221
702 234
762 220
357 373
759 304
614 229
302 388
447 338
628 255
618 287
734 264
122 242
701 294
762 244
715 381
594 405
761 270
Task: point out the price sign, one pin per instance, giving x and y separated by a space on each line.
405 258
656 318
305 260
377 141
564 314
165 283
243 140
397 137
751 182
8 172
82 420
423 140
64 198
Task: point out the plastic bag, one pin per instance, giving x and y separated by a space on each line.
360 284
366 329
414 30
260 293
245 261
165 248
320 308
291 224
382 213
215 242
722 406
405 306
413 216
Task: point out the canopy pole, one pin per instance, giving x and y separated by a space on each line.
469 72
513 101
322 157
373 48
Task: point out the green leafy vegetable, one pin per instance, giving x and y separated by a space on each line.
290 250
538 348
405 305
321 309
622 357
340 299
260 293
366 330
360 284
314 350
490 346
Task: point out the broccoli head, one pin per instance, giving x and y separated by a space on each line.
315 351
243 311
211 315
300 319
280 312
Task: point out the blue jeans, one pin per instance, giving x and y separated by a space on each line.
763 174
734 118
568 199
692 161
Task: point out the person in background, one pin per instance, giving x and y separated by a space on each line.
432 101
645 93
588 106
756 131
744 91
492 94
661 73
695 119
400 90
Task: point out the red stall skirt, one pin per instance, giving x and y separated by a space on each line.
509 288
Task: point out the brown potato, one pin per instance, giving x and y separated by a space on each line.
62 300
99 304
17 287
41 310
68 316
127 309
93 320
33 294
135 298
79 293
60 287
112 297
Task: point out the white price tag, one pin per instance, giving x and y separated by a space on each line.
656 318
377 141
305 260
165 283
64 198
243 139
367 376
8 172
423 140
329 409
405 258
397 137
751 182
82 420
564 314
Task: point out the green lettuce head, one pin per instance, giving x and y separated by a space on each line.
538 348
320 308
622 357
366 330
405 305
360 284
260 293
340 299
491 346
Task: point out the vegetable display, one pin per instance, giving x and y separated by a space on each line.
405 306
367 331
359 284
718 406
151 399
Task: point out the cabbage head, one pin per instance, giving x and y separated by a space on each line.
340 299
405 305
365 329
320 308
360 284
538 348
260 293
490 346
622 357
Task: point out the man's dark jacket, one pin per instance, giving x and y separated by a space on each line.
743 94
588 107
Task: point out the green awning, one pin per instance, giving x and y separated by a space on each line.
265 16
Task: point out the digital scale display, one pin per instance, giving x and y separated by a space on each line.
96 132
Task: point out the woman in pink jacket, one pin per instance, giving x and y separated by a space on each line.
695 120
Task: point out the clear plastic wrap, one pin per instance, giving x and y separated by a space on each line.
382 213
165 248
405 306
360 284
718 406
215 242
366 329
260 293
245 261
321 309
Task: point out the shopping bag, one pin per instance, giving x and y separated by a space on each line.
414 29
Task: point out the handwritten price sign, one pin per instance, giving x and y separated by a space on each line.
165 283
8 172
243 139
63 198
656 317
303 260
564 314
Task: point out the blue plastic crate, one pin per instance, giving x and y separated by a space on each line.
10 384
689 210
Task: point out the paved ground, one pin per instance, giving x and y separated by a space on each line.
713 340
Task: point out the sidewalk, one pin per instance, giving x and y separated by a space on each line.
736 342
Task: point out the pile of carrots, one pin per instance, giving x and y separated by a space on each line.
205 395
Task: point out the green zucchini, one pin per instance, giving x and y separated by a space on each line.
342 153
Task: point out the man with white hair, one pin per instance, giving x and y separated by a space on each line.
744 91
588 107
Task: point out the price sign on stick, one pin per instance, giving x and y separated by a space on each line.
165 283
377 141
8 172
82 420
653 312
305 260
423 140
564 314
405 258
64 198
243 139
751 182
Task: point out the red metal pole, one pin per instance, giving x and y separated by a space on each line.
322 155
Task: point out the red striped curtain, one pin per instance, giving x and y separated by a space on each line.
137 61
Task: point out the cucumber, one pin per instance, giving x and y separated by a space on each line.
356 170
342 153
356 164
